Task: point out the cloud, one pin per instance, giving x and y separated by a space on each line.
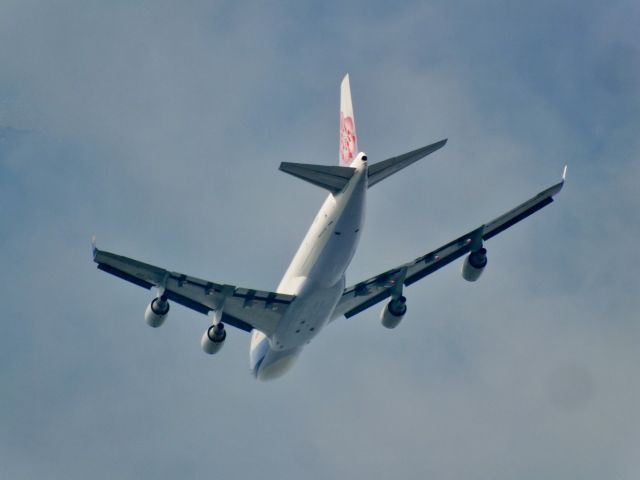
159 127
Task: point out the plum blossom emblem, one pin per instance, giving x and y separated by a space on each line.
348 143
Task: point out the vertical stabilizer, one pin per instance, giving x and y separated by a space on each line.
348 138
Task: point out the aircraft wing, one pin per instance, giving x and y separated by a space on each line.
363 295
242 308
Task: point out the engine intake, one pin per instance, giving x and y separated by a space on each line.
156 312
393 312
213 339
474 265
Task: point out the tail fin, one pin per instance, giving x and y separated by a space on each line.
348 139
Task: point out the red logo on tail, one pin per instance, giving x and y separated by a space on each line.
348 142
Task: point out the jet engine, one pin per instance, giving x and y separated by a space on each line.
393 312
156 312
213 339
474 264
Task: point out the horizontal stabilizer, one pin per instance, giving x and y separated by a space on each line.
381 170
330 178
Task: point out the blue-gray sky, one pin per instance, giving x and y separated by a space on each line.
159 126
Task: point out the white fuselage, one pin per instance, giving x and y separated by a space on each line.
316 276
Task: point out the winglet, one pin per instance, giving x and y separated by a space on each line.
94 248
557 187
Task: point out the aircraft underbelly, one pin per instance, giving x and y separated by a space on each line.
316 278
308 313
272 357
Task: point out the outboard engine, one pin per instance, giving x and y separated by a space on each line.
474 265
393 312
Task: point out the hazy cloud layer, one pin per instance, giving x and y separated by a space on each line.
159 127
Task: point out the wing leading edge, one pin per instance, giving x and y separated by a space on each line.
243 308
363 295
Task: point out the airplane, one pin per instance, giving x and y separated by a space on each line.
313 291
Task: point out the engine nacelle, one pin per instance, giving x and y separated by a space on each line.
393 312
213 339
156 312
474 264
